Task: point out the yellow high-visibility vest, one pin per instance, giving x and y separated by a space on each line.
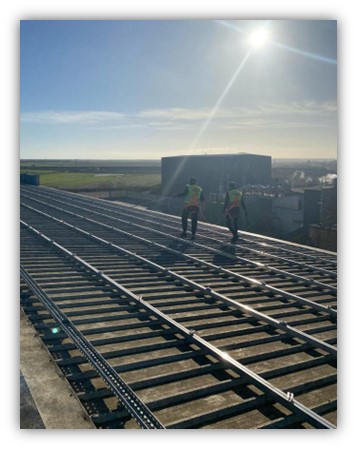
235 198
193 196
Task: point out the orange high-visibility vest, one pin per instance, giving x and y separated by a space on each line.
193 196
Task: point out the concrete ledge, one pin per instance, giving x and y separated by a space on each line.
29 416
54 399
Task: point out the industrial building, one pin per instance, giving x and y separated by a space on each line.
214 172
274 213
320 206
320 216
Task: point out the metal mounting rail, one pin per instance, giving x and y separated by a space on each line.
251 262
168 216
152 213
283 398
55 191
329 310
289 261
206 290
134 406
175 218
259 265
214 231
214 267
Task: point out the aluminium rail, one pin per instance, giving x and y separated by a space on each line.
282 325
134 210
286 399
209 225
250 280
130 401
251 262
175 220
174 217
216 268
246 261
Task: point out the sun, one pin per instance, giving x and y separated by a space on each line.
258 38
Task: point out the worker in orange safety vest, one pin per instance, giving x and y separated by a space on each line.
193 196
233 203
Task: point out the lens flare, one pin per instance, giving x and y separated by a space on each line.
220 100
258 38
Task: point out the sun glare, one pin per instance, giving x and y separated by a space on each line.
258 38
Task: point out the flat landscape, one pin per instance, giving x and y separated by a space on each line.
145 174
83 175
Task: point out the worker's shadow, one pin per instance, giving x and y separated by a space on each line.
223 257
167 257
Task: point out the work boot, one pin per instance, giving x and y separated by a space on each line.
193 236
234 239
183 234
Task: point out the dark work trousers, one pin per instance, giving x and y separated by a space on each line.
232 220
193 211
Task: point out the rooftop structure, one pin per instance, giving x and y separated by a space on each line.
152 330
214 172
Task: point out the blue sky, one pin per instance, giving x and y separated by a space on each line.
146 89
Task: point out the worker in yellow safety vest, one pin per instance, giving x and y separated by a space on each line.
193 196
233 203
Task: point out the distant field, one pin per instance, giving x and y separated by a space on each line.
142 166
145 174
131 179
